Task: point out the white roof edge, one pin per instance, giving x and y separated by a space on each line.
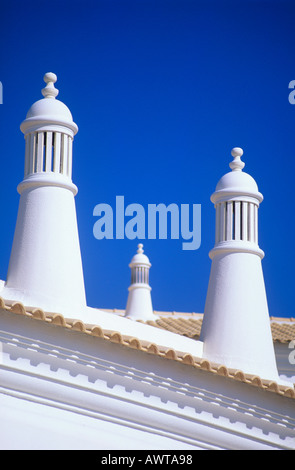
142 331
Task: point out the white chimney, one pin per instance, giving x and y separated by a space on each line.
45 268
236 327
139 304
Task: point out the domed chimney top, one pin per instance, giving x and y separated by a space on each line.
48 110
236 183
140 259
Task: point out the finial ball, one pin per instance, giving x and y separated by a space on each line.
237 152
49 91
50 77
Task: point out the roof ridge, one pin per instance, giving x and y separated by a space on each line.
193 315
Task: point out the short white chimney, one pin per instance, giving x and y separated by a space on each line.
236 327
139 304
45 268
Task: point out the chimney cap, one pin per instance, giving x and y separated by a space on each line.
140 257
48 110
236 183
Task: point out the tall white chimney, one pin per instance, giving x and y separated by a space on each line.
236 327
45 268
139 304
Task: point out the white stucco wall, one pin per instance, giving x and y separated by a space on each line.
66 389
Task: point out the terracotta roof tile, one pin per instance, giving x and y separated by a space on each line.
189 324
283 332
191 327
182 326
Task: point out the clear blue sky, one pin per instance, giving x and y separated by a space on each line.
161 92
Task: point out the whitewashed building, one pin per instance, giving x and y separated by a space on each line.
75 377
